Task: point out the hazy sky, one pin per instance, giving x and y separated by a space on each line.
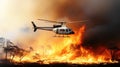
16 15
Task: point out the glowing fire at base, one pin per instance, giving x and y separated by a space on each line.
69 51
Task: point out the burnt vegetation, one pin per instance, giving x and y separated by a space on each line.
13 51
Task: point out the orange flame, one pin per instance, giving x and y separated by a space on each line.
69 50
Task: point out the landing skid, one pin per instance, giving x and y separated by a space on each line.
61 36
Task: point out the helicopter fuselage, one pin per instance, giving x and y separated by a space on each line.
63 30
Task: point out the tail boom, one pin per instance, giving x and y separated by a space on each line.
42 28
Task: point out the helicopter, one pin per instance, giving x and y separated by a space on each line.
60 28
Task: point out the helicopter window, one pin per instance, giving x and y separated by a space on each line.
67 30
62 30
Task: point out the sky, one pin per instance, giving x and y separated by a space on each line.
16 15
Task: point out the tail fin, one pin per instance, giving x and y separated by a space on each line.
35 27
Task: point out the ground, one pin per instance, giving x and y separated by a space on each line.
59 64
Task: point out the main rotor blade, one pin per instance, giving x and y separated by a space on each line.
78 21
48 20
60 22
63 22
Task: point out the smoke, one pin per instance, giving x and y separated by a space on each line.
104 26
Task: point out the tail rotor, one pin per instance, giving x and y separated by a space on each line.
35 27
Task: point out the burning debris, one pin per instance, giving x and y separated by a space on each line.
115 53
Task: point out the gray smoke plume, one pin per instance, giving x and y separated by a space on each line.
106 27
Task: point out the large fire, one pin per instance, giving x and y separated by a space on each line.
69 50
64 49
